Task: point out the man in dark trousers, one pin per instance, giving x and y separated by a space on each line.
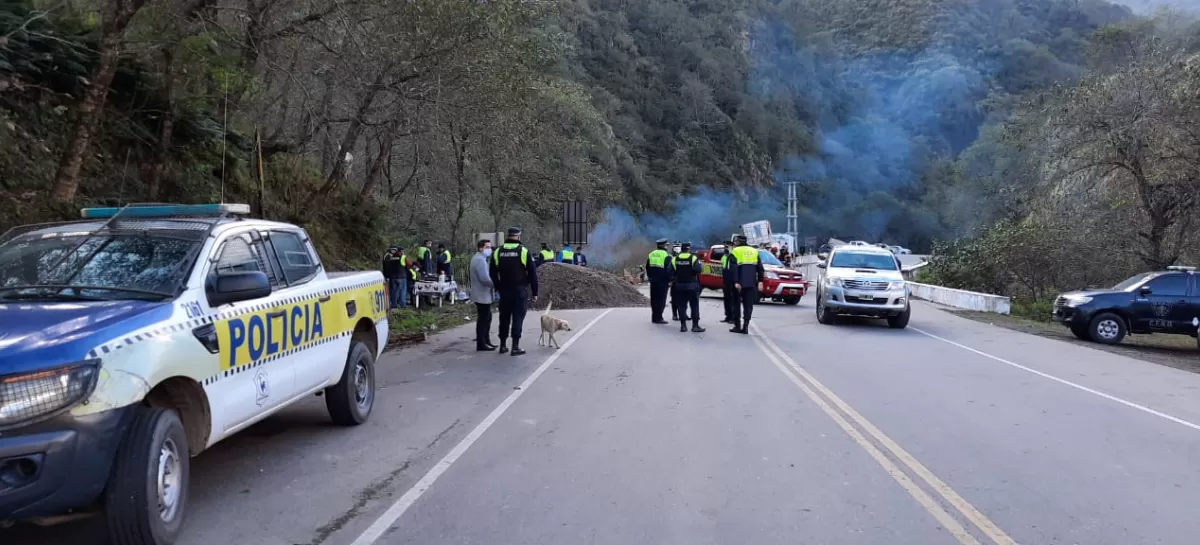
685 271
483 294
425 257
674 303
728 277
393 271
514 272
748 273
443 262
659 278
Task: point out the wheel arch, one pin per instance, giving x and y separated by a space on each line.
186 397
365 331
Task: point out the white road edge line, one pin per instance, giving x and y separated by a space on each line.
397 509
1080 387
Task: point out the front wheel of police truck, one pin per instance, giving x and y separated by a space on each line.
147 492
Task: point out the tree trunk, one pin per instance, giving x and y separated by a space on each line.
460 171
377 167
158 172
117 14
353 132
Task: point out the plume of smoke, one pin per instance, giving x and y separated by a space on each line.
879 120
702 218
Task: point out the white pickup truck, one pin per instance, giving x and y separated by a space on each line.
140 336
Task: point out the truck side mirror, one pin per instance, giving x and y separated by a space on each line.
234 287
1145 290
821 265
822 256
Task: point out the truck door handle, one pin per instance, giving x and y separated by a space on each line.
325 299
276 314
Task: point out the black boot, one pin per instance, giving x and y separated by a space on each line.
696 327
745 327
484 347
516 351
504 346
683 326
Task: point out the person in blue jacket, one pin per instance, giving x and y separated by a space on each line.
565 255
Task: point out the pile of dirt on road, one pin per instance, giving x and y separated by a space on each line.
570 287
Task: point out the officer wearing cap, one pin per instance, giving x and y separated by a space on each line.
748 272
514 271
685 271
660 278
674 304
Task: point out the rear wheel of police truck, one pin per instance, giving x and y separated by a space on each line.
350 400
146 497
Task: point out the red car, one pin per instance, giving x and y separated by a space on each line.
781 285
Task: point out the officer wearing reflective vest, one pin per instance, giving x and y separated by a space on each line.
444 263
660 278
728 274
545 256
514 272
674 304
566 255
425 257
748 272
685 271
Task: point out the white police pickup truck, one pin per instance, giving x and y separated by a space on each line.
142 335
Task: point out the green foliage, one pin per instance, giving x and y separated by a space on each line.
1038 310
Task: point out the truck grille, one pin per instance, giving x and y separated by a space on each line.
865 285
872 301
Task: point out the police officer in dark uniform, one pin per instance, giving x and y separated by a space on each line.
514 271
747 274
660 278
674 302
728 277
685 271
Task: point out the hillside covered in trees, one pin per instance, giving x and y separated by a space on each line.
1061 125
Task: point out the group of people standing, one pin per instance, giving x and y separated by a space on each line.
403 272
565 255
508 276
678 275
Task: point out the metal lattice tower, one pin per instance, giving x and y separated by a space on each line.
793 213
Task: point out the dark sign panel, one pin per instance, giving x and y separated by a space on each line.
575 223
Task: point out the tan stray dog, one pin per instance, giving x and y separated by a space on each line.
550 326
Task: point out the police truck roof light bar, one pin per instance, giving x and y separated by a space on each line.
165 210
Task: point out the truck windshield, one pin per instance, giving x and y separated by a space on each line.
863 260
768 259
1130 282
93 267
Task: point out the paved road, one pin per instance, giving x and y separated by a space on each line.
949 432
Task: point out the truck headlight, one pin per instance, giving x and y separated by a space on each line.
832 281
896 285
30 396
772 276
1078 300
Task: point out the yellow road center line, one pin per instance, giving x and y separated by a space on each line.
804 379
939 514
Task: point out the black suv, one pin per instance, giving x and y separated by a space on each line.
1154 302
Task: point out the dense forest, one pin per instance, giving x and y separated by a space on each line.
1027 140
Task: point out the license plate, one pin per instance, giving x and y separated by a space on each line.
860 295
792 292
